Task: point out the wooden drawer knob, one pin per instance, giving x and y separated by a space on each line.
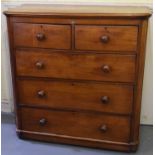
106 69
42 121
39 65
41 93
104 39
105 99
103 128
40 36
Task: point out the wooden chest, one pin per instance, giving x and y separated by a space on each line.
77 73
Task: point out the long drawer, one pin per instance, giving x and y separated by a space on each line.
106 38
73 124
102 67
76 95
42 35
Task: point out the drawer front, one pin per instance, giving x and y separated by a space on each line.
42 35
105 67
82 125
106 38
76 95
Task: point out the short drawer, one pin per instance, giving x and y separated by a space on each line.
42 35
76 95
106 38
103 67
81 125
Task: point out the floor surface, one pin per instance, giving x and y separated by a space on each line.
12 145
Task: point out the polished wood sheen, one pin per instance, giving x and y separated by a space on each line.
98 97
77 73
82 125
106 67
109 38
42 35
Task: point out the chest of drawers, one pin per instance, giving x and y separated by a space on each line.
77 73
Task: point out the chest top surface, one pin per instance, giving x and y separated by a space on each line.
109 11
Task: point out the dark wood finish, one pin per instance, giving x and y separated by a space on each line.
39 65
42 122
104 67
105 99
85 65
104 38
110 38
104 128
76 95
85 125
13 72
42 35
139 81
41 93
76 20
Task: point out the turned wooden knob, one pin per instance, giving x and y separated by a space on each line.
103 128
106 69
104 39
41 93
40 36
105 99
42 121
39 65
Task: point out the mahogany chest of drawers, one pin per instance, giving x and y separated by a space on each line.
77 73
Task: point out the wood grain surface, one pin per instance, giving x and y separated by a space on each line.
76 95
76 65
